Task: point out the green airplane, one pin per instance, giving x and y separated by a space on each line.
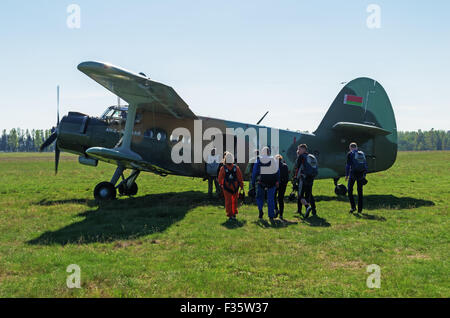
139 136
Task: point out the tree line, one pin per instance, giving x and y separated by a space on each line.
424 140
20 140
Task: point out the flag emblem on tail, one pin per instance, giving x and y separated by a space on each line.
353 100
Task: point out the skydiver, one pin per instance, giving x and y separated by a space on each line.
230 180
306 167
212 167
281 190
356 170
266 181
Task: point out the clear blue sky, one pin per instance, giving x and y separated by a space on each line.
228 59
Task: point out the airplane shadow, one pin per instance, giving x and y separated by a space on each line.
380 201
125 219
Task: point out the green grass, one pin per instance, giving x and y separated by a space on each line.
171 241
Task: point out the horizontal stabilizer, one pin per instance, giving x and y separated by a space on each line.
361 128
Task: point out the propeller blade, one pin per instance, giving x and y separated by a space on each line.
51 139
57 152
57 106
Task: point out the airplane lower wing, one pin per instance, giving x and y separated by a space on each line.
137 89
126 159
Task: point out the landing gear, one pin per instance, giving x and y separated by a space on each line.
128 186
104 191
339 189
123 190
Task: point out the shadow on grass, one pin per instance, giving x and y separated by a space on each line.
314 220
379 201
276 223
125 219
233 224
369 217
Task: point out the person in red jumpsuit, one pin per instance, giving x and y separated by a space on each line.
230 180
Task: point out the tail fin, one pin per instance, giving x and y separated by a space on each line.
363 113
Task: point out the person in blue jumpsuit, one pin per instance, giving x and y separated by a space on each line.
266 177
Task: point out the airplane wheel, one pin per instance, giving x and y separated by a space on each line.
105 191
340 189
134 189
124 191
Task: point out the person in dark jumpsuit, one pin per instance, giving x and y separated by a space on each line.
352 177
305 183
281 190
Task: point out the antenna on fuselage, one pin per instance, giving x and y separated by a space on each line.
262 118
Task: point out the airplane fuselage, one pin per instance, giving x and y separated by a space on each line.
152 140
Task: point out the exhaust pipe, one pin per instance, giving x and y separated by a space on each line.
88 161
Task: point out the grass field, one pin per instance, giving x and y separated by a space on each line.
172 241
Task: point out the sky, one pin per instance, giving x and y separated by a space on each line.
228 59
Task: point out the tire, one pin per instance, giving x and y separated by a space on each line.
340 189
104 191
121 188
134 189
124 191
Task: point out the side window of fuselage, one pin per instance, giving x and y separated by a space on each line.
155 134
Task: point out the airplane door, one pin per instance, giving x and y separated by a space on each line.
369 149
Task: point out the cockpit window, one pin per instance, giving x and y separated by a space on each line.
115 113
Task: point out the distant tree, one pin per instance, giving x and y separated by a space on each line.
4 141
38 141
13 140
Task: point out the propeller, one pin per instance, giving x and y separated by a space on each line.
54 135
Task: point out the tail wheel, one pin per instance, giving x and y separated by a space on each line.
340 189
105 191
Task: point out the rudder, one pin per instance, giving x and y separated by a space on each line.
362 112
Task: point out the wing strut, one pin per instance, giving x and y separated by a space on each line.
123 154
129 125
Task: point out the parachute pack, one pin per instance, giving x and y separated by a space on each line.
311 167
268 179
359 162
230 183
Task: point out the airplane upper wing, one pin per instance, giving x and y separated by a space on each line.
137 89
